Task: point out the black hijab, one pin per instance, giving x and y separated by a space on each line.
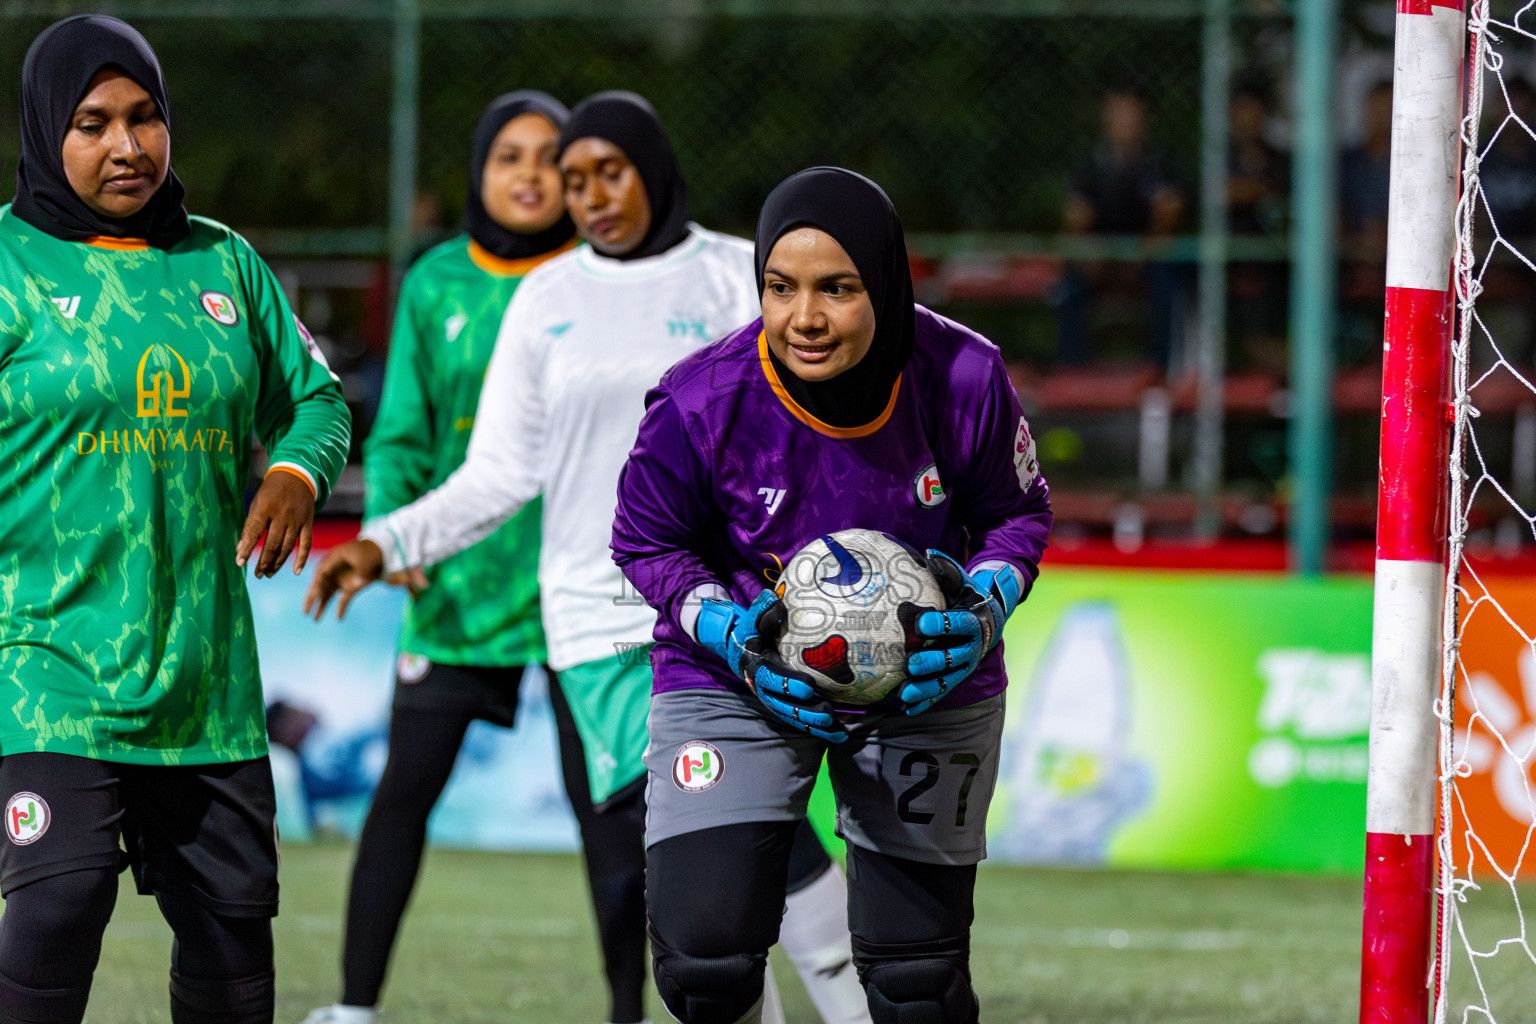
628 121
59 67
856 212
495 239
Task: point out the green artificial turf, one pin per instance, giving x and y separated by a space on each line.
501 937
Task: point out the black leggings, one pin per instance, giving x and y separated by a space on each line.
50 942
613 845
613 840
720 893
423 746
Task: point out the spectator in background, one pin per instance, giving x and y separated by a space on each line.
1365 181
1508 174
1508 169
1258 173
1126 187
1364 189
1258 186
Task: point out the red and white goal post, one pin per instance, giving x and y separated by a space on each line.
1444 731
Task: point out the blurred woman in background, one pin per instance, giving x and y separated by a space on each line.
473 623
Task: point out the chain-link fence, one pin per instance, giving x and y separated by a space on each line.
276 123
963 130
338 130
972 123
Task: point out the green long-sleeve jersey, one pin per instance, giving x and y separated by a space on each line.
131 382
482 605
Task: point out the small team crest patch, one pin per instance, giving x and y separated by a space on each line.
26 818
1025 462
221 307
927 487
310 343
698 766
412 668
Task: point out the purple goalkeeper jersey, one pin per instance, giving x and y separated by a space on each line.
729 478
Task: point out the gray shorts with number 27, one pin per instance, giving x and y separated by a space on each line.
912 787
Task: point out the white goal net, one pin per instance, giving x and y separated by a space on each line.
1486 967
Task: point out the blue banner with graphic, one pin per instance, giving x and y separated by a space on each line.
328 690
1155 719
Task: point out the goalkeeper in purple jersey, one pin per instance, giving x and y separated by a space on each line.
844 406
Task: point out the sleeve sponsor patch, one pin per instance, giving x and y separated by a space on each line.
1024 461
310 343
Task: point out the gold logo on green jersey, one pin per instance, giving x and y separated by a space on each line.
149 395
164 384
155 441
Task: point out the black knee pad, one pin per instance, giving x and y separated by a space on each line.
22 1005
248 1000
213 947
708 989
916 983
63 908
50 941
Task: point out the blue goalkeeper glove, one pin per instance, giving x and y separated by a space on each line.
746 639
979 604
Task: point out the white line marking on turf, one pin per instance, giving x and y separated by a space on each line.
1190 940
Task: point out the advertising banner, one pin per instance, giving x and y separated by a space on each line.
1155 720
1494 811
1189 720
328 689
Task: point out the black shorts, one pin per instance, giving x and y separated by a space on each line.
489 693
207 832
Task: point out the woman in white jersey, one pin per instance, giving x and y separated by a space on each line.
470 634
584 338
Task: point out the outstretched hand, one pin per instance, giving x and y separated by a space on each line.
284 510
348 569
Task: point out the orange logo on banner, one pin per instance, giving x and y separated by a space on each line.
1495 725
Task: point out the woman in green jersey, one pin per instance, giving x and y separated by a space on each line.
140 349
474 620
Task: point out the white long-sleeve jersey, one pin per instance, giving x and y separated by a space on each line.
583 339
